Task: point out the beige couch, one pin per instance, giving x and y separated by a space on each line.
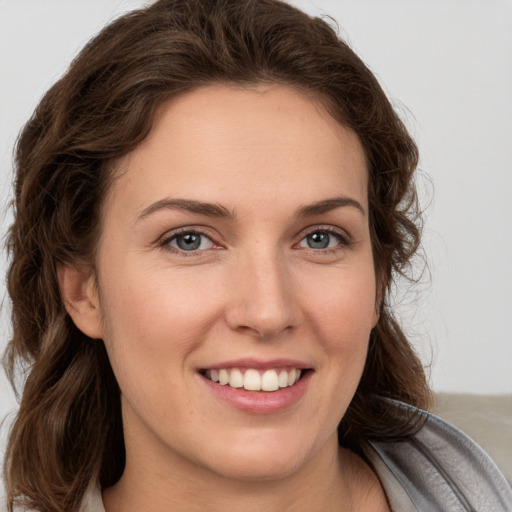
487 419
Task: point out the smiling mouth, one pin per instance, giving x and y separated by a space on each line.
252 379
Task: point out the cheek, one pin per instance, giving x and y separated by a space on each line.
148 300
152 324
345 309
344 315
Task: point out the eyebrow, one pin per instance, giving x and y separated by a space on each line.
327 205
188 205
217 210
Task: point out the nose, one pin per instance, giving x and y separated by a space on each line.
262 299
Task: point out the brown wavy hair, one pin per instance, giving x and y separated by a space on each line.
68 430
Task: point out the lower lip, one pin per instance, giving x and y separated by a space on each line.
260 402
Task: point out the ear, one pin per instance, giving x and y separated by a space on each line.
80 295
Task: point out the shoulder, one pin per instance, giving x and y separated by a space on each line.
91 502
440 468
17 508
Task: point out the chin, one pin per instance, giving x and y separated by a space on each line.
262 461
258 470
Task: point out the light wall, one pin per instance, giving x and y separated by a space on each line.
447 66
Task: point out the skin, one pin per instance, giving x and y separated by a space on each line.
254 288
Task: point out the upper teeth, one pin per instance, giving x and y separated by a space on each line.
255 380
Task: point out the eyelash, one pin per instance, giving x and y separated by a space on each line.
165 243
344 240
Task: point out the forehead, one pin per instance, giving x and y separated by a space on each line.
267 141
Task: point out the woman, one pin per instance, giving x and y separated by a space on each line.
210 208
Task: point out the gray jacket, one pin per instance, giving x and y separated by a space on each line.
439 469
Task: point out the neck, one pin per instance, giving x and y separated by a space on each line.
330 482
158 477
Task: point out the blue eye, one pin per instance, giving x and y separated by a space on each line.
190 241
321 239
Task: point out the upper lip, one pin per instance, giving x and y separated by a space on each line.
259 364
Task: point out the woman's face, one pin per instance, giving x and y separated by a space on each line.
235 245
